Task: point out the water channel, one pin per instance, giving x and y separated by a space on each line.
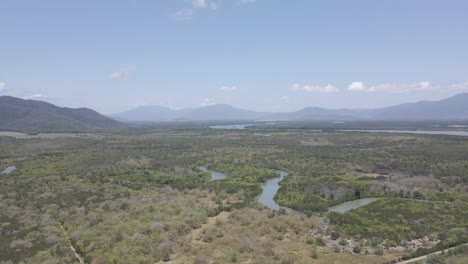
348 206
215 175
8 170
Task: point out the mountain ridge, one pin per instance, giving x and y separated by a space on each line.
455 107
33 116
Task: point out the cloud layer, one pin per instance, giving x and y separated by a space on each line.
2 87
227 88
401 88
392 87
189 13
459 87
35 97
184 14
312 88
357 87
120 74
247 1
201 4
208 102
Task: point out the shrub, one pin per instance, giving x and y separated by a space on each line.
314 254
320 242
357 249
336 249
201 259
234 257
245 246
287 260
379 251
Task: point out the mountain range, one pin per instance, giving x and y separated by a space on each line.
32 116
455 107
37 116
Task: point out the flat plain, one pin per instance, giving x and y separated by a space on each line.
139 197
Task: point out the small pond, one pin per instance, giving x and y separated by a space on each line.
8 170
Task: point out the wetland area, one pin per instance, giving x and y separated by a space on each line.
187 194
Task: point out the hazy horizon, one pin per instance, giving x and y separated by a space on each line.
280 111
269 56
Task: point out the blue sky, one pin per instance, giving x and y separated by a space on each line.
268 55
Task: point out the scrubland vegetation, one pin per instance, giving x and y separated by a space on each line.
139 197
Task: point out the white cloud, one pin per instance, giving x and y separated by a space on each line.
357 87
2 87
424 85
201 4
295 87
311 88
213 5
35 97
459 87
403 88
247 1
284 99
208 102
184 14
120 74
227 88
393 87
188 13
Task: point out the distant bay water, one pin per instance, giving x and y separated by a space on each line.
418 132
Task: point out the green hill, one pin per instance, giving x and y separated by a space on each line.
32 116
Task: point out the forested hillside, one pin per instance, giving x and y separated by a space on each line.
36 116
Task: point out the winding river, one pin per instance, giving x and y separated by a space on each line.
270 188
215 175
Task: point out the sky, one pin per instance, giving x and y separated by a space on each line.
264 55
